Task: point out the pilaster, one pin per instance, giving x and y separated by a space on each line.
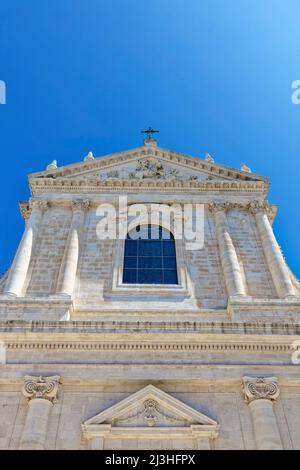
41 393
260 394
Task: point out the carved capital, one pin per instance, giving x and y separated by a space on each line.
256 388
25 210
220 206
262 206
257 206
38 205
80 204
41 387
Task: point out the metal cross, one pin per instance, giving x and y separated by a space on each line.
149 132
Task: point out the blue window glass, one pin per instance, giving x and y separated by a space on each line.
150 256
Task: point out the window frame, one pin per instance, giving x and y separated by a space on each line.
161 258
119 288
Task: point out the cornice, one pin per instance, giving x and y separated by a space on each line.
45 185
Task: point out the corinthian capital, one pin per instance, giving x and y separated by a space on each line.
256 388
257 206
24 209
41 387
220 206
80 204
262 206
38 205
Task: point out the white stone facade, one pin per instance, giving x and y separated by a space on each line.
92 363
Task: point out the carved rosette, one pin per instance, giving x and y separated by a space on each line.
256 388
80 205
41 387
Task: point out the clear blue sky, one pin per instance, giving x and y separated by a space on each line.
213 75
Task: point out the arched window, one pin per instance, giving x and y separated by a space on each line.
150 256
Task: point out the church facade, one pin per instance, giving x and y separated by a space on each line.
113 341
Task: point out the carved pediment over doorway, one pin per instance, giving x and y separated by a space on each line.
150 414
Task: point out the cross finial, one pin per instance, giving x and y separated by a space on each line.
149 132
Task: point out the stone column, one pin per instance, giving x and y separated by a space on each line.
260 393
18 272
272 251
230 263
68 271
41 393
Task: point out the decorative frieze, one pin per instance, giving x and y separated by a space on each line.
150 346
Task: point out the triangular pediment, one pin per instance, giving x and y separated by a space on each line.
145 164
150 407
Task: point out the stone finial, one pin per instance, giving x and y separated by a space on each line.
89 157
209 158
150 142
245 168
256 388
41 387
52 165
